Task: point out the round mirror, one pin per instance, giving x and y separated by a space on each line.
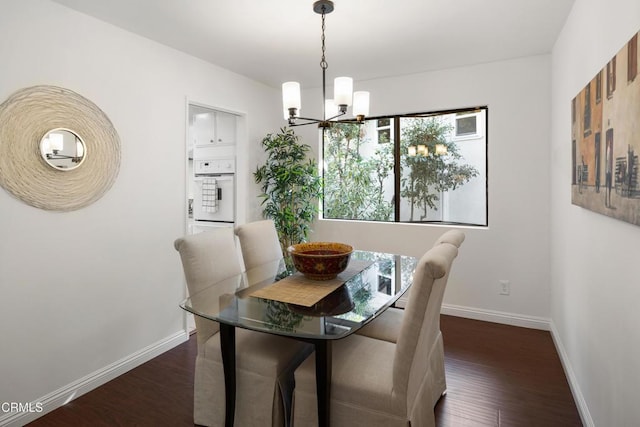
63 149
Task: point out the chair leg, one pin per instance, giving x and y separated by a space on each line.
286 386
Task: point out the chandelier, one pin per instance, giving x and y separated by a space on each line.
343 95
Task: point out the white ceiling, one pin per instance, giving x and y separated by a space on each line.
279 40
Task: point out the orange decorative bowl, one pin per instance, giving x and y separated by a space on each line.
320 260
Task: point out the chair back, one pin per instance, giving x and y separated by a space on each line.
455 237
421 322
208 258
259 243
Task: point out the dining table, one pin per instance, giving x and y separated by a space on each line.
275 299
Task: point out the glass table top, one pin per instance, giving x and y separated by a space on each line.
342 312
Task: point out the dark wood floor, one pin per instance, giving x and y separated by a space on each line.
497 375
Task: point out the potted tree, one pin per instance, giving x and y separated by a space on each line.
291 187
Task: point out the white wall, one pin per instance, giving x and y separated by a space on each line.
60 322
594 258
515 246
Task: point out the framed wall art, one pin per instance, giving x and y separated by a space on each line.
605 139
58 150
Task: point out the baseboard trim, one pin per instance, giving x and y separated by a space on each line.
83 385
581 404
512 319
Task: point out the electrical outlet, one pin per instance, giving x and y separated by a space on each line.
505 287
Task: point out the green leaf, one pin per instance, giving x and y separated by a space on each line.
290 185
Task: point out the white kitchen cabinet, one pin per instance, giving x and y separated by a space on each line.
203 128
225 128
211 128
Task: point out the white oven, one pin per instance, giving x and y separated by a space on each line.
214 190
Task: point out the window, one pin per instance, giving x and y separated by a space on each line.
611 77
632 58
384 130
587 110
432 170
466 125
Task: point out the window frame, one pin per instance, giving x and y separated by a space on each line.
396 141
461 137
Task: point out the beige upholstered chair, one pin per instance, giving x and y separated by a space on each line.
387 326
381 383
455 237
260 248
259 243
264 363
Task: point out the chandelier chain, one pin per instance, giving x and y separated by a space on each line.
323 61
323 65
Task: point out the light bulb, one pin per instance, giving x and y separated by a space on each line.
291 96
343 91
361 104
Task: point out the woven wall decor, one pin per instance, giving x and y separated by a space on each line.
25 117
